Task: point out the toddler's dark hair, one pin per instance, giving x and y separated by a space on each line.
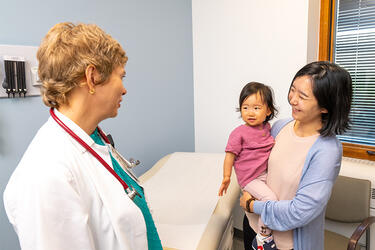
266 94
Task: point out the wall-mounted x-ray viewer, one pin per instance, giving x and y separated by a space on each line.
18 71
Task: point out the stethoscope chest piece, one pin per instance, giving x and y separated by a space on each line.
124 163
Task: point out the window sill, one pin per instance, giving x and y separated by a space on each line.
358 151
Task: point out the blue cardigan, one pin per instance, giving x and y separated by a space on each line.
305 213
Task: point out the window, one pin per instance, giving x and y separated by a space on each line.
348 38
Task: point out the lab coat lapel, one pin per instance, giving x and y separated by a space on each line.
127 219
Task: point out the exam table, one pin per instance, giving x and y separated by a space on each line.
182 192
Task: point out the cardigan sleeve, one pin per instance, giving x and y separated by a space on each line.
321 168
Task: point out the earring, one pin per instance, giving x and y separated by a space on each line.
92 91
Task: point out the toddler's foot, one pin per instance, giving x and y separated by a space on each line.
263 243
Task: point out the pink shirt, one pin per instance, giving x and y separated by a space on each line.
252 147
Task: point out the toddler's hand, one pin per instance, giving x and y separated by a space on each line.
224 186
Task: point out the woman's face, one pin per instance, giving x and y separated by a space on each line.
109 94
305 107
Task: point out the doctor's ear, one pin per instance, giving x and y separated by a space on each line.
90 74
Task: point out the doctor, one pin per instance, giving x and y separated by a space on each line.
61 196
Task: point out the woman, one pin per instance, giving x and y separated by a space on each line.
306 158
61 196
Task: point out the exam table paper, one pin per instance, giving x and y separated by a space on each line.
182 196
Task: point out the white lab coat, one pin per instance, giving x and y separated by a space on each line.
62 198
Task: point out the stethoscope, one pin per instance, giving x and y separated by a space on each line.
131 192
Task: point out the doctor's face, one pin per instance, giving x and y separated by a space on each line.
109 94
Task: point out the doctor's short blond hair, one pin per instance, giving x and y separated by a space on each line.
65 53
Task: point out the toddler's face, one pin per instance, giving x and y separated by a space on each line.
254 111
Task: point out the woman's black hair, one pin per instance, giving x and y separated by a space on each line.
266 94
332 87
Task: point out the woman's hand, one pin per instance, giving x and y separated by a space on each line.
224 186
244 198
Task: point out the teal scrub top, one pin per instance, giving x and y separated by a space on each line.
153 239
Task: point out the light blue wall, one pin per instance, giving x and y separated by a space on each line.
156 117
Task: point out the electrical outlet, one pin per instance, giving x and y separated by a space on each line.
35 77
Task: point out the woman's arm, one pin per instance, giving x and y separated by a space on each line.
313 192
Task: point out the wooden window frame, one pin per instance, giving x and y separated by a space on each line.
326 31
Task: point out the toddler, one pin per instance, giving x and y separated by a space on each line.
248 149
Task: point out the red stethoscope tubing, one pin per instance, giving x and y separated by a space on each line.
92 151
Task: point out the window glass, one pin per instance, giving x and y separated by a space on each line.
354 49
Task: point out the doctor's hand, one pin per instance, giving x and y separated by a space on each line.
224 186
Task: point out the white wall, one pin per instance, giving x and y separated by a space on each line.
235 42
157 37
